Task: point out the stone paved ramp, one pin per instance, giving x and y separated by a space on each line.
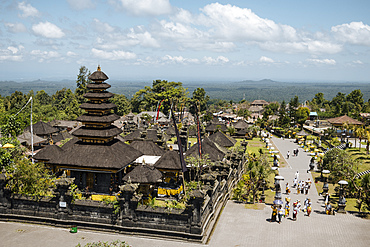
245 227
237 226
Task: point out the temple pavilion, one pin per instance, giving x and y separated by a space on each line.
94 157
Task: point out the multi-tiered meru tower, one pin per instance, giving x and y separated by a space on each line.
94 157
97 122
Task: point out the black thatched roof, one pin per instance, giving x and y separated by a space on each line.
61 136
101 95
101 106
98 119
143 174
170 131
214 151
222 139
241 124
133 135
170 160
25 137
95 132
242 132
214 126
151 134
98 75
147 147
113 155
98 86
48 152
41 128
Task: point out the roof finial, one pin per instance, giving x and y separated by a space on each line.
99 69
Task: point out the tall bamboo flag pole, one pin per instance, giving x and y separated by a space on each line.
182 160
30 100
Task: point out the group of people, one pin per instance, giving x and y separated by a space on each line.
295 153
278 212
301 185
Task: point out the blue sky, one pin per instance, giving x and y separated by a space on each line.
286 40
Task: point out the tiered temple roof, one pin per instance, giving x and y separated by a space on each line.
97 122
95 145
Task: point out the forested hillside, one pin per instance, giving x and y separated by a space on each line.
235 91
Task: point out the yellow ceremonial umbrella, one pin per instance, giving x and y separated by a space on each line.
8 145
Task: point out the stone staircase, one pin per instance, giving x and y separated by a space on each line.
358 175
341 146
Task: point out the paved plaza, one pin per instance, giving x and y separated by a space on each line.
236 226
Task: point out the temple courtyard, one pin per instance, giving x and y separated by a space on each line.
237 226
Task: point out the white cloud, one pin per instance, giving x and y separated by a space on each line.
264 59
12 53
215 61
356 33
102 27
145 7
47 30
357 62
71 54
307 46
322 61
134 36
234 23
143 37
81 4
27 10
15 27
221 27
113 55
44 55
179 59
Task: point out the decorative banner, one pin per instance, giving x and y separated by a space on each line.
198 132
158 107
182 160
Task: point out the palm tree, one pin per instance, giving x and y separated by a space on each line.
351 128
367 137
231 130
360 132
354 129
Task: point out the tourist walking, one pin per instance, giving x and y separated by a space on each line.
308 206
287 189
328 208
287 206
295 211
306 188
287 155
280 213
296 175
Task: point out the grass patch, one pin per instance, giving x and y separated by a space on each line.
351 202
360 156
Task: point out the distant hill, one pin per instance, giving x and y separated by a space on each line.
50 87
250 90
270 90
